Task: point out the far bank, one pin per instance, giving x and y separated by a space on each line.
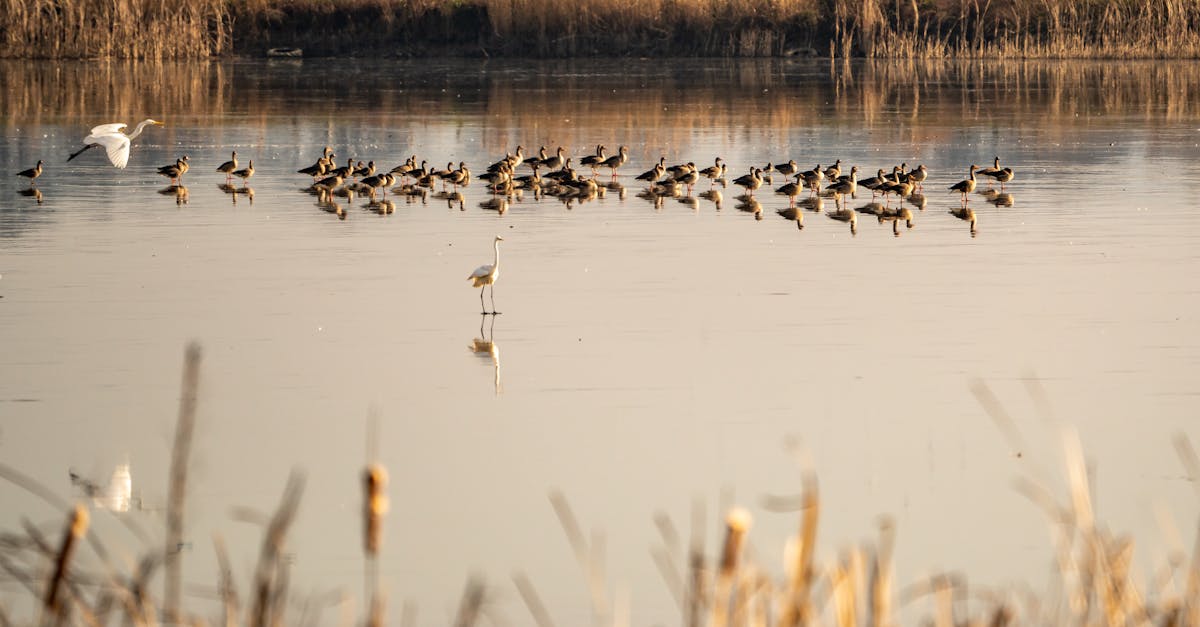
148 29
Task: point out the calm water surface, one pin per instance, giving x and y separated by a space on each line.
649 354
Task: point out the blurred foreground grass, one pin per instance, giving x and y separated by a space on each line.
1095 580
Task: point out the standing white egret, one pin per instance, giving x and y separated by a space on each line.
114 141
484 276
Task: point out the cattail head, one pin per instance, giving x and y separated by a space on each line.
737 523
375 505
80 521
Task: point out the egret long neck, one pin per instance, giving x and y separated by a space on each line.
496 262
138 131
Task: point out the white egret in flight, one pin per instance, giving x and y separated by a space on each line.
114 141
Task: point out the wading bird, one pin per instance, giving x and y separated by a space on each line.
228 167
32 173
484 276
115 143
966 186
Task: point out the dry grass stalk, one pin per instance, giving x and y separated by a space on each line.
589 555
797 605
177 482
270 582
724 605
225 584
375 505
533 602
471 603
54 611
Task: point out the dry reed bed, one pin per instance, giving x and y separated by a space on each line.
148 29
1096 582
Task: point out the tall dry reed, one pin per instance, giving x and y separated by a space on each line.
134 29
149 29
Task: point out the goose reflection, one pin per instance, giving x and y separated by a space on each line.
247 191
750 204
967 214
895 216
814 203
382 207
454 199
485 347
499 204
998 198
845 215
794 214
918 200
180 192
714 196
690 202
32 192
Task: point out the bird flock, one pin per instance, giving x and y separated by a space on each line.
543 175
512 177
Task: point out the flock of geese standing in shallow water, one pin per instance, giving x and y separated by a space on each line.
511 178
554 175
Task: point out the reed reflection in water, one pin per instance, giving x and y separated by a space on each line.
659 344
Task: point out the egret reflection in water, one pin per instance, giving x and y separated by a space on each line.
116 495
485 347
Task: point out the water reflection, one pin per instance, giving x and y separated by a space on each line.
794 214
32 192
116 495
998 198
179 192
234 191
848 216
749 204
967 214
486 348
714 196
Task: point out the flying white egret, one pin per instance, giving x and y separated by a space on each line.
484 276
114 141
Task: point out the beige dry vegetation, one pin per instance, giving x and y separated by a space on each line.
148 29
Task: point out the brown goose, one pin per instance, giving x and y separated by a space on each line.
967 186
595 161
714 172
616 160
751 181
245 173
918 176
556 162
32 173
228 167
992 171
793 189
175 170
653 174
1004 175
844 187
834 171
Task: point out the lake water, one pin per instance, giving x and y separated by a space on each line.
650 354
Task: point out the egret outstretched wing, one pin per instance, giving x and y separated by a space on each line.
109 129
115 144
